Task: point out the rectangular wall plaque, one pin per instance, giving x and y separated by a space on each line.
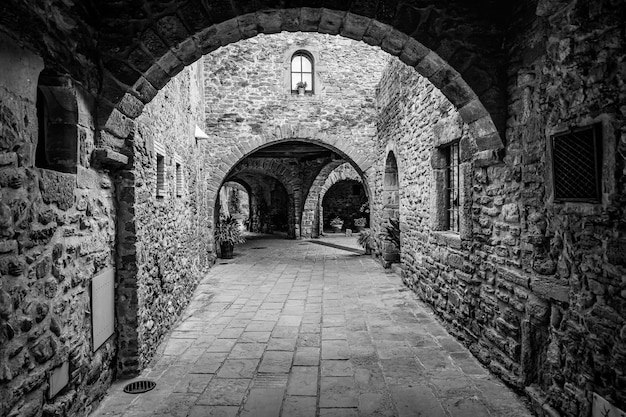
102 307
58 379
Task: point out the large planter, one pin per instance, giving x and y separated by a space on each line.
359 228
227 250
336 229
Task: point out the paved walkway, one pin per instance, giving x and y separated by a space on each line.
291 328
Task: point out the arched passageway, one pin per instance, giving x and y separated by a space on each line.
511 86
343 200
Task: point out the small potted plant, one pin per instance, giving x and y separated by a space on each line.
367 241
359 223
301 87
336 224
227 235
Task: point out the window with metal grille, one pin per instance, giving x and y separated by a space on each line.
302 72
452 188
179 180
160 175
576 163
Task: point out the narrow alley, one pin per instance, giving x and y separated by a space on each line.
293 328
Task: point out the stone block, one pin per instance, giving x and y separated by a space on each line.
550 288
413 52
153 43
172 30
446 131
430 64
228 32
473 111
187 51
458 92
170 64
486 159
107 158
130 106
57 188
119 125
331 21
394 42
310 19
375 33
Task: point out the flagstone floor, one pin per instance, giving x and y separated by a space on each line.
291 328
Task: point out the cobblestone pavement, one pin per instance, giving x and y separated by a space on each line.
291 328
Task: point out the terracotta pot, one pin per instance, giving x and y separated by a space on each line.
300 91
227 250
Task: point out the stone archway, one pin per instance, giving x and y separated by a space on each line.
361 164
127 88
285 175
342 172
391 206
175 40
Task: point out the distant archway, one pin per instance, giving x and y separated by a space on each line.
391 209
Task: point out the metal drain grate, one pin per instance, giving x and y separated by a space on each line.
260 247
138 387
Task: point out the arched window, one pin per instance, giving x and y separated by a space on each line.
302 72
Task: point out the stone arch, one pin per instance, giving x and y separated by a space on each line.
391 202
285 175
362 163
342 172
473 85
133 75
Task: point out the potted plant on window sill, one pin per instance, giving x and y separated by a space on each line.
227 235
301 87
336 224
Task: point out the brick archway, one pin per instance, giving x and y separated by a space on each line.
134 74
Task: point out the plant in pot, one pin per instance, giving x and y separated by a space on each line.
359 223
227 235
301 87
336 224
366 241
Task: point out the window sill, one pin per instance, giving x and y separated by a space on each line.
306 97
447 238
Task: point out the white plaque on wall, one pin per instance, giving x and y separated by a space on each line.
58 379
102 307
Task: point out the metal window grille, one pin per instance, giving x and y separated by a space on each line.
576 164
453 220
160 175
179 180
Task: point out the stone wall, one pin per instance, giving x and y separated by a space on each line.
568 70
173 229
56 233
249 103
534 287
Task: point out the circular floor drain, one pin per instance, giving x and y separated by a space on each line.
138 387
